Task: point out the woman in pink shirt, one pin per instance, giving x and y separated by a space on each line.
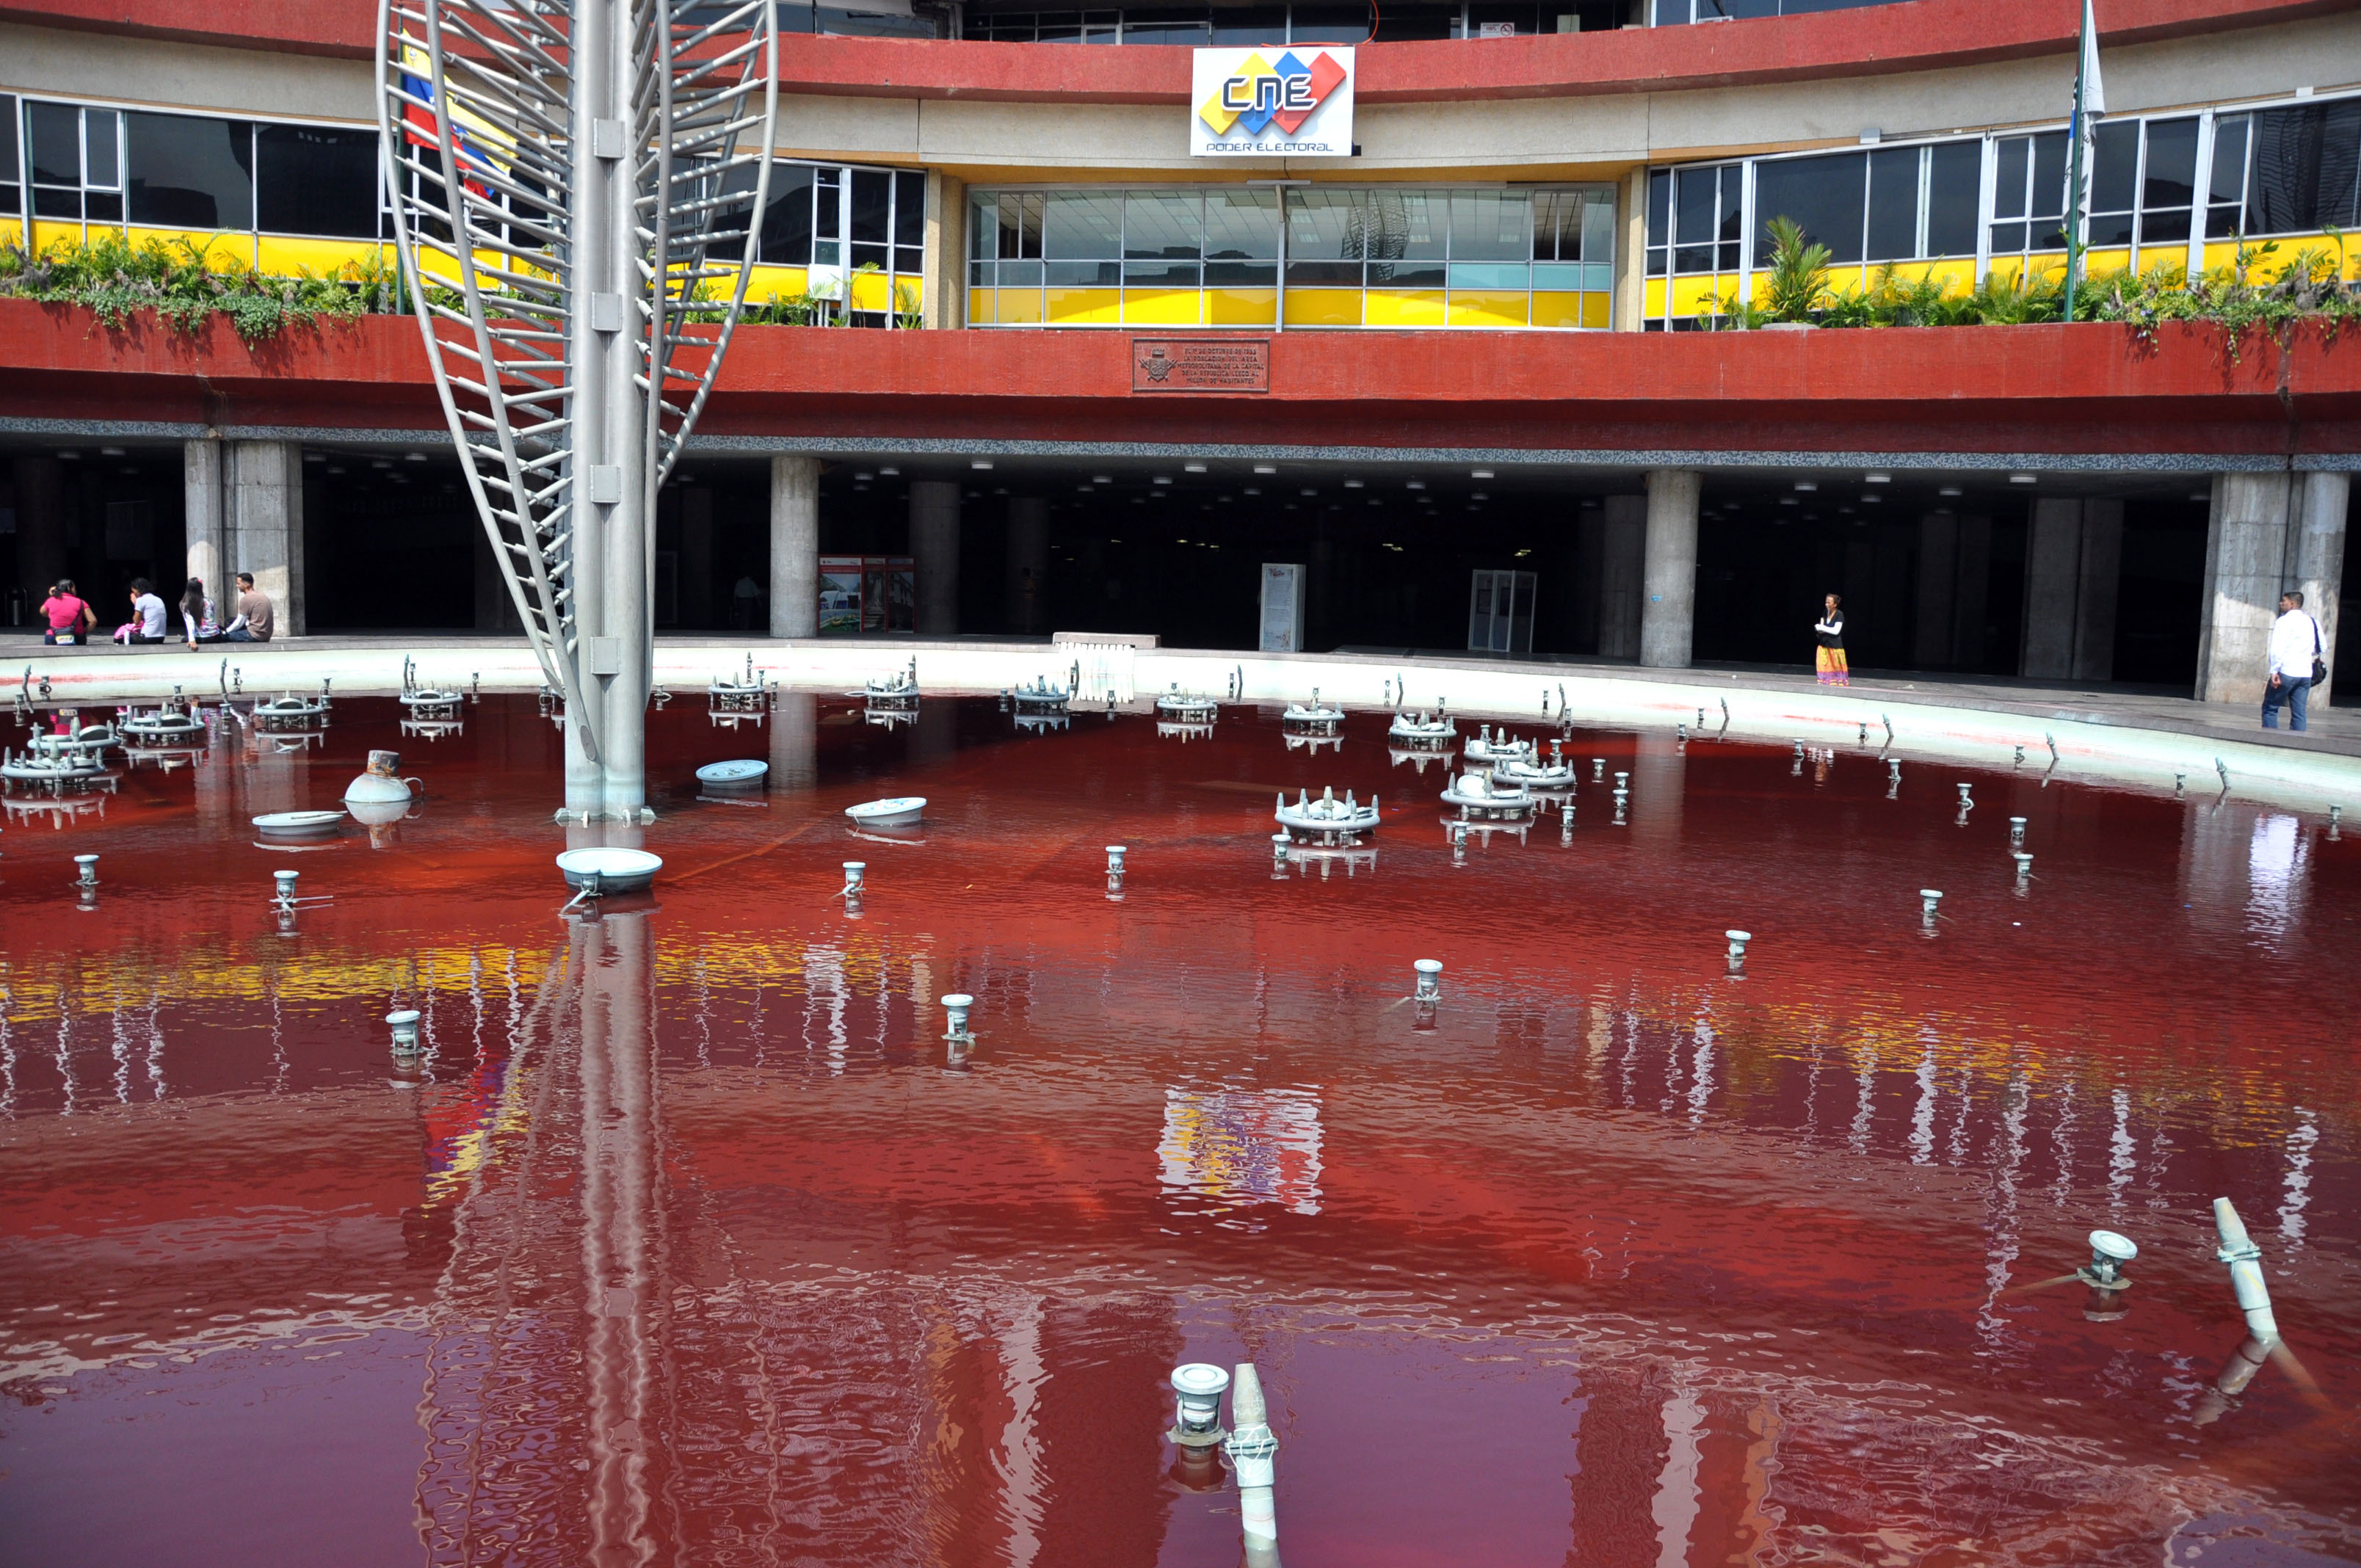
68 616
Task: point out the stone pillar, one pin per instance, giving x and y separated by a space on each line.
1028 564
693 588
203 523
795 546
266 527
935 545
40 529
2053 570
946 251
2246 554
2099 581
2319 560
1668 618
1623 549
1975 593
1933 630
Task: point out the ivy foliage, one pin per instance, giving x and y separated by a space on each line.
2259 292
185 281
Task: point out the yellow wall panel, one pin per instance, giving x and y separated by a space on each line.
1163 307
1553 308
1323 307
1406 307
1652 299
1241 307
1490 307
283 255
980 307
1595 309
1085 307
1019 306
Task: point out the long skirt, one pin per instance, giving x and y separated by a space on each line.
1831 663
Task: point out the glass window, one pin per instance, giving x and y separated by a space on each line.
1598 228
872 218
787 221
1706 218
1251 25
1020 225
1163 224
1241 225
1894 204
1083 224
10 203
2029 193
313 181
2047 195
1954 178
1492 226
1660 229
2114 168
909 208
1161 26
190 172
102 165
2169 181
1317 24
1825 195
2227 185
1408 236
55 132
2302 168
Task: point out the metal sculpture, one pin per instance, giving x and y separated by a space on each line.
570 180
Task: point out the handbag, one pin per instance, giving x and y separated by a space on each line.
2319 664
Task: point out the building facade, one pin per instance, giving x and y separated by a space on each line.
1453 395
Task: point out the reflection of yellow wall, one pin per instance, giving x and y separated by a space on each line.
1490 307
1323 307
1083 307
1403 307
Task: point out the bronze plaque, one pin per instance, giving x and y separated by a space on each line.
1201 365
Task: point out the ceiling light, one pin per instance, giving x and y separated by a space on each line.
1807 484
1163 479
1354 484
315 457
1192 467
1789 502
1874 478
336 467
1103 478
1081 489
985 463
1871 499
1479 495
1480 473
890 473
1950 490
1266 468
2022 479
413 456
2201 495
70 455
864 478
380 462
1415 484
110 451
1310 493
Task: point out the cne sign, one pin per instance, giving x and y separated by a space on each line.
1272 101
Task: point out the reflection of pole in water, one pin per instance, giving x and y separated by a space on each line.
2298 1188
2000 1254
1677 1494
622 1232
1659 774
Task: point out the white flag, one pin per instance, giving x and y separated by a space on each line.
2094 95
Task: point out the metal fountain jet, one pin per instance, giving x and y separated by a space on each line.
571 181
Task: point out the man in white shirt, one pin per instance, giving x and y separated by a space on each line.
2295 643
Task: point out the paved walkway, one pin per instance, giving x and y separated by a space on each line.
2335 731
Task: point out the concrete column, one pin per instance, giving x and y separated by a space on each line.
2319 559
935 545
1973 597
1028 564
2246 554
40 529
2053 571
946 252
1668 618
1624 550
795 546
203 523
1933 629
2100 580
266 527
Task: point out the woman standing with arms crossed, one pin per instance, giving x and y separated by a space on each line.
1831 659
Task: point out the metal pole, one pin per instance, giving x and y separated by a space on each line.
2074 177
619 668
597 185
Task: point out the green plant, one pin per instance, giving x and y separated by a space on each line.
183 282
907 313
1797 282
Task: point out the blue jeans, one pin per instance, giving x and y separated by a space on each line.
2294 693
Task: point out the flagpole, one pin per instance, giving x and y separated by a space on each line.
2074 163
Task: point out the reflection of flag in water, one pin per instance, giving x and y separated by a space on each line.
472 134
462 1121
1243 1146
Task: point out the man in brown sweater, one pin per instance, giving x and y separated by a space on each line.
252 624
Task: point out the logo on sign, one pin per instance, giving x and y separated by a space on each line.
1296 101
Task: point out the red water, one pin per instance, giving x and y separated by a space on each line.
687 1245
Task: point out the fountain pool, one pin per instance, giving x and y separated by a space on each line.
687 1238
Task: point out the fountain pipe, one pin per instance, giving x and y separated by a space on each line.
2244 1258
955 1007
1430 980
2016 830
1929 899
2109 1253
1197 1387
1253 1455
88 875
1738 940
404 1025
